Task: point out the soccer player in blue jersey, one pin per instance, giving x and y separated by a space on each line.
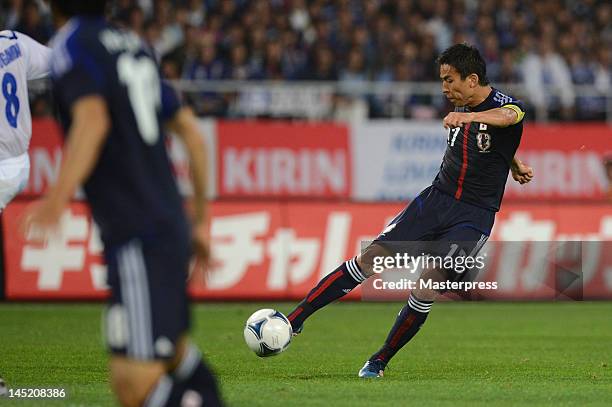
459 208
114 107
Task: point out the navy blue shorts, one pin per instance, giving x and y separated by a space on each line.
148 310
435 216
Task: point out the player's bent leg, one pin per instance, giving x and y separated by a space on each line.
404 227
153 363
132 380
183 380
422 291
349 274
407 324
365 260
413 315
337 284
465 236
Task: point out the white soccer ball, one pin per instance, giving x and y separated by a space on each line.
267 332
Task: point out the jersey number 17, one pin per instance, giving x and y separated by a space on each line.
452 135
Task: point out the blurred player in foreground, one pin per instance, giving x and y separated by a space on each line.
113 105
459 208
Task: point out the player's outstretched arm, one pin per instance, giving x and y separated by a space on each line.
498 117
86 136
184 124
521 172
37 56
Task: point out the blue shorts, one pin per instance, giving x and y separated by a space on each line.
435 216
148 309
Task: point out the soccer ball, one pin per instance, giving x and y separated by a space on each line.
267 332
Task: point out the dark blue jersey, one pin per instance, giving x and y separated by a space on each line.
131 191
478 156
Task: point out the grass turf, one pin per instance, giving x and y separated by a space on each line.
509 354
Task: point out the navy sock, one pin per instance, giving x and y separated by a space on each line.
194 375
336 284
167 393
408 322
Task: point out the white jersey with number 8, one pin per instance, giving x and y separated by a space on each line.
21 59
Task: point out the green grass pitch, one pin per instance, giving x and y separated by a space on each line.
472 354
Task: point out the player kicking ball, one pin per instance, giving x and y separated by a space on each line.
459 207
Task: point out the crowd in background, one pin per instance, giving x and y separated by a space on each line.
543 45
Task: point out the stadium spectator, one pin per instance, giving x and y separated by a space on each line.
354 73
196 12
583 69
9 17
508 70
273 61
32 22
136 20
239 69
603 71
295 56
208 66
323 67
548 80
170 25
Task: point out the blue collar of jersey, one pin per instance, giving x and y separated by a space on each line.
484 105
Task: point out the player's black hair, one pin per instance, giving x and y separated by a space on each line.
466 60
70 8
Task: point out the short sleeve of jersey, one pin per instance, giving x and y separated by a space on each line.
37 56
170 102
518 107
76 70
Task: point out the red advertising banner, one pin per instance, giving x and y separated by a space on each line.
272 160
45 155
567 160
276 159
273 250
68 266
279 250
